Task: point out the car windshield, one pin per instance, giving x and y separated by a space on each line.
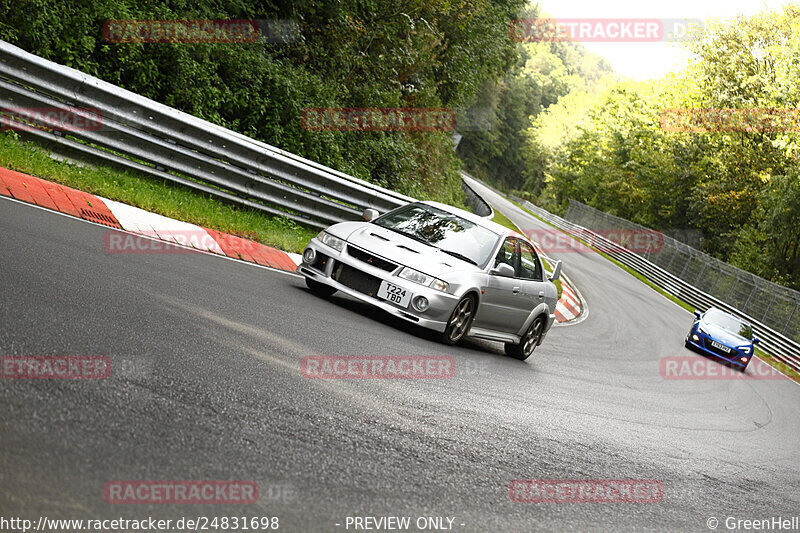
452 234
728 323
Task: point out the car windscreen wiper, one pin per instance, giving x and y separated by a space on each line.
460 256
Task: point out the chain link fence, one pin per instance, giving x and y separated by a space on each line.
769 303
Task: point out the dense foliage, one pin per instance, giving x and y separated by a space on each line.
739 189
494 128
349 53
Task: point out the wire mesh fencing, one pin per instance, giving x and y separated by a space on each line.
771 304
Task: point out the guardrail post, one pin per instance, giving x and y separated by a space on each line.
783 331
769 306
702 270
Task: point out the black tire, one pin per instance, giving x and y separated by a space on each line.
460 321
529 341
320 289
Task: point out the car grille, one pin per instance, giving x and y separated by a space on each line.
368 258
356 280
717 351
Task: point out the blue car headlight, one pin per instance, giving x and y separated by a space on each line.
744 349
701 330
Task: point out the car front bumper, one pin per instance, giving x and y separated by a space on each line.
435 317
735 357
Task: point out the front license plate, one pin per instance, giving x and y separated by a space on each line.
395 294
719 346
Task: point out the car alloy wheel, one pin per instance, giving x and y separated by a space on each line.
460 320
529 341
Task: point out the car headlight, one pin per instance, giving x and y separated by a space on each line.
744 349
423 279
329 240
701 330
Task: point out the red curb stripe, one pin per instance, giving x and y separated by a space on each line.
223 243
264 255
38 192
559 316
60 198
3 187
44 193
243 247
284 261
263 259
252 251
16 187
92 208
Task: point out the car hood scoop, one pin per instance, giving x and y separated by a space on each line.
404 250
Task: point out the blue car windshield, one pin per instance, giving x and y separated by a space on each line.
452 234
728 323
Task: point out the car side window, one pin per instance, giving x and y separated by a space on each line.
530 266
507 254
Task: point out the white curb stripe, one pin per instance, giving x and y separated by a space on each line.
297 258
565 312
154 225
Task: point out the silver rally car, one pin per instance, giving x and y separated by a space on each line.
442 268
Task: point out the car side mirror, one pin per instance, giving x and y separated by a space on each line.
756 340
697 313
502 269
556 272
369 214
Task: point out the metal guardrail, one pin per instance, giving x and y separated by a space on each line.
773 342
478 205
146 137
774 305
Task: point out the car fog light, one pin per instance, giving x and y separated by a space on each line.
421 303
744 359
695 338
309 255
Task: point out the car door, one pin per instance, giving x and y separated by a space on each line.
501 309
532 285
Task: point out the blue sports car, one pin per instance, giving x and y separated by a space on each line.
722 335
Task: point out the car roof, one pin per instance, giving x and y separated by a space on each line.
472 217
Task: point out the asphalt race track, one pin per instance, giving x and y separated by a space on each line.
206 384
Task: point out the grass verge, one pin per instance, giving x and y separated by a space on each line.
767 358
174 201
